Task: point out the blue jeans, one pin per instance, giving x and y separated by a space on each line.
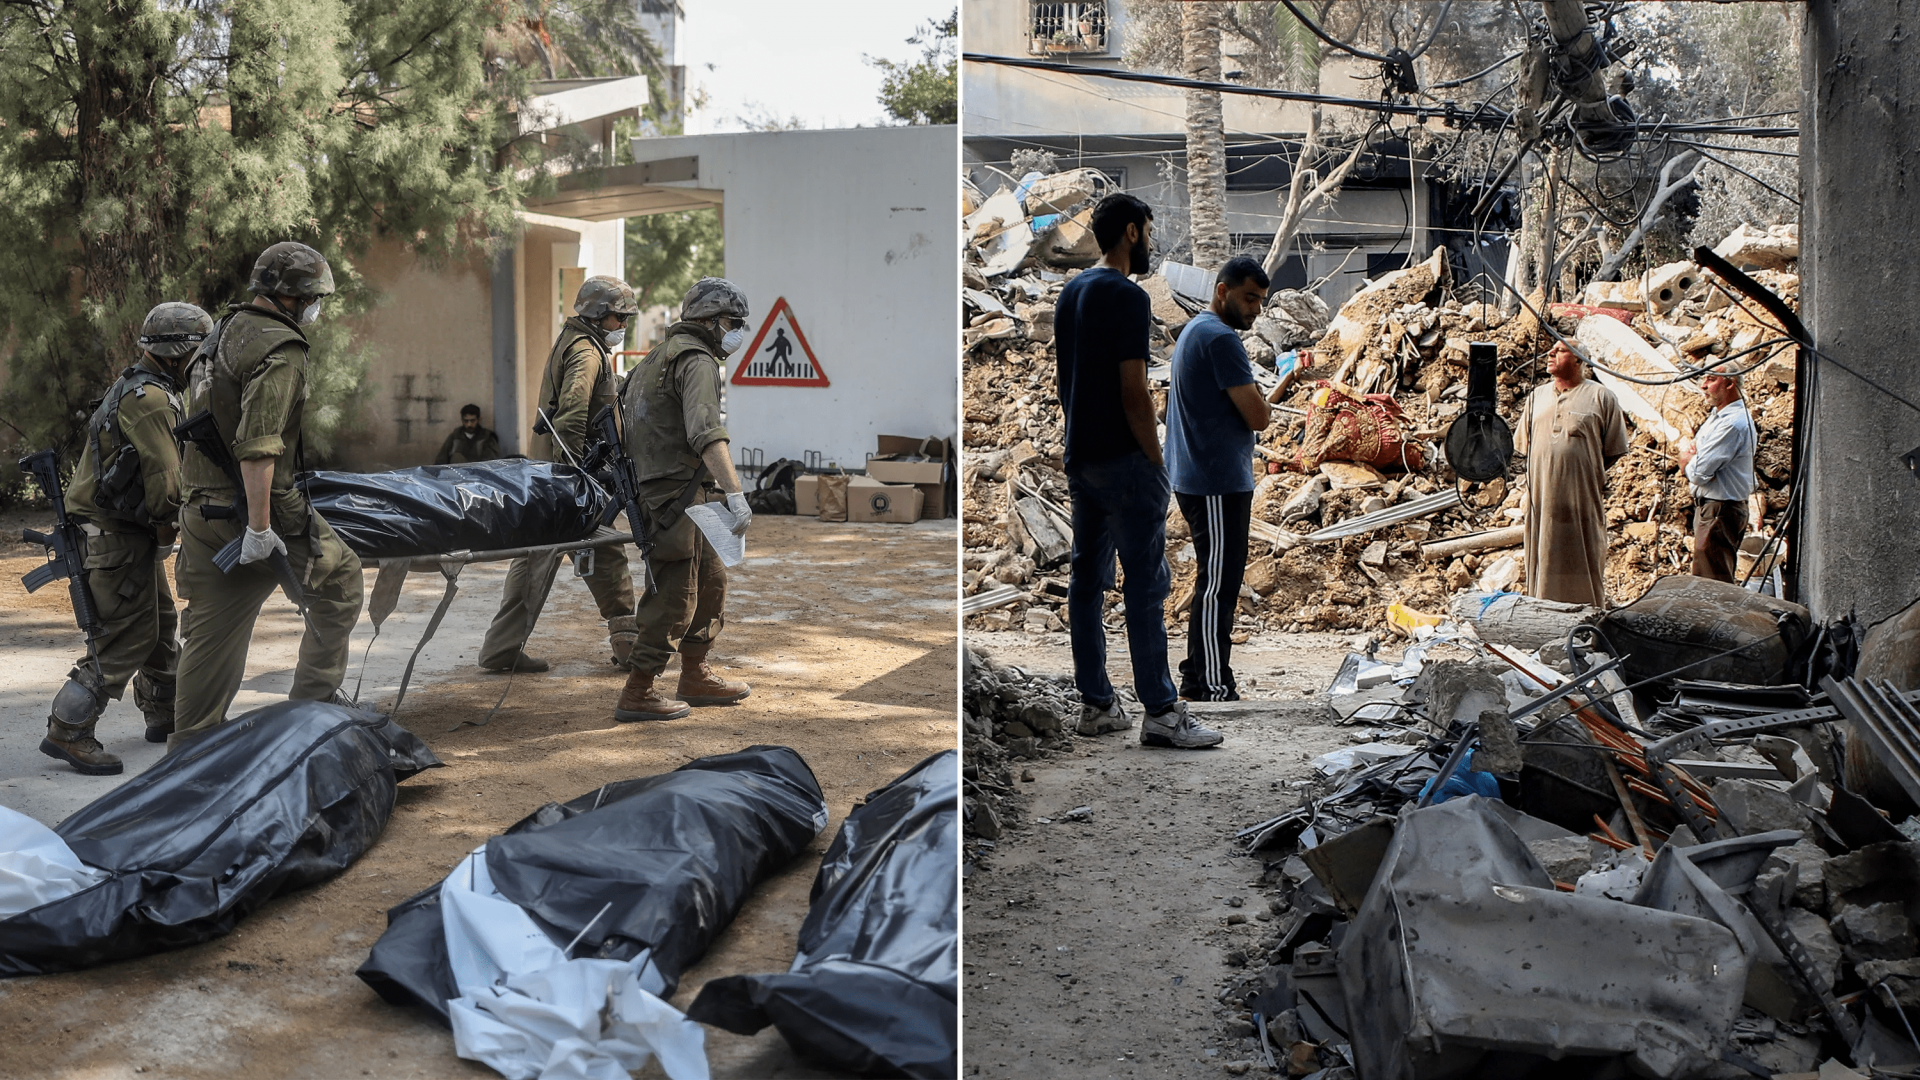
1120 508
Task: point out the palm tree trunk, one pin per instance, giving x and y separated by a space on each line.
1206 137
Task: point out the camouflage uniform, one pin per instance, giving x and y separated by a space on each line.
126 496
578 382
672 407
255 384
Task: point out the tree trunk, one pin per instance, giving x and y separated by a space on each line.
1525 621
1206 136
1669 187
1307 190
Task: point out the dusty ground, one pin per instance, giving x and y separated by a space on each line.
1099 948
845 631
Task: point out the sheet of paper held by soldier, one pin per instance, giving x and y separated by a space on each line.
716 524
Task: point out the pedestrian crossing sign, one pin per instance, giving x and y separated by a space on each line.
779 355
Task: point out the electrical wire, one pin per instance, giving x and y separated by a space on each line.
1444 112
1488 70
1314 29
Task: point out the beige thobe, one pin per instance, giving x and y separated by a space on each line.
1569 436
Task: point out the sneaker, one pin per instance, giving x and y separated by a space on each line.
1099 721
1175 729
1202 694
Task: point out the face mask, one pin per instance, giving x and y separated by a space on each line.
615 338
311 313
734 338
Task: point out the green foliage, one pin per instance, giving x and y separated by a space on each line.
149 149
667 253
587 38
925 91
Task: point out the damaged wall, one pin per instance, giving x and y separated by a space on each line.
1856 138
852 228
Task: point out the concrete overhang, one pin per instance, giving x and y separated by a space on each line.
581 101
636 190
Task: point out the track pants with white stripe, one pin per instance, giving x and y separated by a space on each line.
1219 527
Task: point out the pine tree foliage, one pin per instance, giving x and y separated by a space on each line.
149 149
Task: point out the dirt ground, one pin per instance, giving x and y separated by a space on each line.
847 634
1099 948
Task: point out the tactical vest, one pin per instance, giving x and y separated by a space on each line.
656 426
604 392
218 378
119 489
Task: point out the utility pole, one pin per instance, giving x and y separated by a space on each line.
1859 531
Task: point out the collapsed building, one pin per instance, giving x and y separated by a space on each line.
1674 839
1370 391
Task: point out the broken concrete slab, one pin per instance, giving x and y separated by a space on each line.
1808 863
1754 806
1877 871
1879 931
1565 859
1457 692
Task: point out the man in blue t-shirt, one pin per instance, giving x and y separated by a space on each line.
1214 413
1118 481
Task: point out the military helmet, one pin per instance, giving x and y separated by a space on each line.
174 329
292 269
711 296
600 294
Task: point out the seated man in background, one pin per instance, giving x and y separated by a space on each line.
469 442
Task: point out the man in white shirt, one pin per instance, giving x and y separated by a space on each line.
1719 468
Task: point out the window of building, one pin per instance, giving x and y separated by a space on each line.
1072 28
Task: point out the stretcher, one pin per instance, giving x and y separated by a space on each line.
392 578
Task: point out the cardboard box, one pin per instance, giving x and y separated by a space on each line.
870 500
929 476
806 495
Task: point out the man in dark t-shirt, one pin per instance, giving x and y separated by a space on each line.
1214 412
1118 481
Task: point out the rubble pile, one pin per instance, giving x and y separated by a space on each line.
1010 715
1671 883
1403 340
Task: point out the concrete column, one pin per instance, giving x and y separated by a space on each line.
1859 124
506 353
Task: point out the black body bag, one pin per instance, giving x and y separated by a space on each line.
283 797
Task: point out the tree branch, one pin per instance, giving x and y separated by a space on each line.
1669 187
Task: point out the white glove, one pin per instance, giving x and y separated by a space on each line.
261 545
742 513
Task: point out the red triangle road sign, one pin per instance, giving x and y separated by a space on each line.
782 360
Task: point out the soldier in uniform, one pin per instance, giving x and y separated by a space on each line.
579 381
676 435
254 381
126 497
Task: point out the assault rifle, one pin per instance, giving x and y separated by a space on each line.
201 431
66 557
609 462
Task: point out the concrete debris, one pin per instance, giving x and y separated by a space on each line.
1464 933
1009 715
1403 340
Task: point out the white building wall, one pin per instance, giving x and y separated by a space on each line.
856 230
1016 102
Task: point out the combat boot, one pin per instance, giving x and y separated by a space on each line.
76 709
700 684
622 632
155 699
639 700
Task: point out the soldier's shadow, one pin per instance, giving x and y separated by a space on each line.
270 682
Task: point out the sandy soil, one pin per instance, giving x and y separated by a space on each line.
848 637
1099 948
